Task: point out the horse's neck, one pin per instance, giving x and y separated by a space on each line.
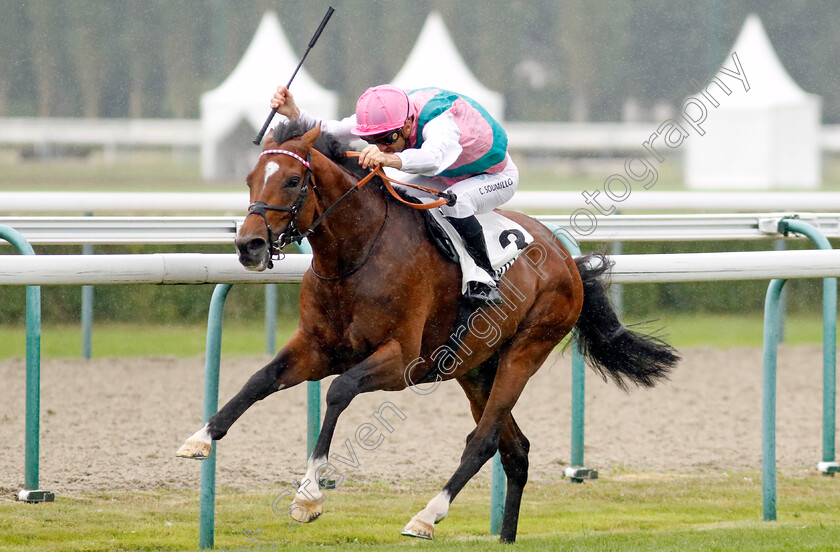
346 234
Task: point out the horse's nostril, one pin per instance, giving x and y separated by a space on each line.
252 247
256 246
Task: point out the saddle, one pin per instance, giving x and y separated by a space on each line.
505 240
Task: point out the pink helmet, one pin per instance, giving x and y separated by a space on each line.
380 109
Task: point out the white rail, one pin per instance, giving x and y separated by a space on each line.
197 268
529 136
155 268
222 230
123 202
640 199
23 203
123 230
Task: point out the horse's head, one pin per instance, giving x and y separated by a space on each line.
279 187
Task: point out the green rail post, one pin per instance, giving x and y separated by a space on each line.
313 415
828 466
768 399
87 313
497 495
33 378
270 319
313 392
576 472
87 309
207 516
772 324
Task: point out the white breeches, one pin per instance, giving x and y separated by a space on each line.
477 194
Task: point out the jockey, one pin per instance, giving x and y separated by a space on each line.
434 138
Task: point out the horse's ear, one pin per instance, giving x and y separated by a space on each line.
269 139
309 138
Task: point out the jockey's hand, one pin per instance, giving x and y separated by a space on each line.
372 157
284 102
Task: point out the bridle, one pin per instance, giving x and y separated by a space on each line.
277 242
293 234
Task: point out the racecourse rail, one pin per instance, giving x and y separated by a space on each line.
205 268
529 201
224 269
101 230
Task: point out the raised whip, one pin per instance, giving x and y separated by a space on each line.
312 42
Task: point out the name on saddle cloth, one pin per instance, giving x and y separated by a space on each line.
505 240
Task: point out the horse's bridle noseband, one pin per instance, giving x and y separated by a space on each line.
276 243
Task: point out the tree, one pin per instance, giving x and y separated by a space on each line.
47 43
89 41
182 40
592 38
13 38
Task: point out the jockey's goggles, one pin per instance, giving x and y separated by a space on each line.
385 139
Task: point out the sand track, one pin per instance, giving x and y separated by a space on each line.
115 424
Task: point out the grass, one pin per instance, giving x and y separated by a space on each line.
238 338
140 173
157 172
127 340
618 512
729 330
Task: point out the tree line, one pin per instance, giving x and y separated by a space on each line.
552 59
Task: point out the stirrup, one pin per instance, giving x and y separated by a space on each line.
482 293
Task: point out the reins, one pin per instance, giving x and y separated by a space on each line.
445 198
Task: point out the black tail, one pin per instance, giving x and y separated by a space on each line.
612 349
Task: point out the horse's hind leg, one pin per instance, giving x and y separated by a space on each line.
513 449
295 363
512 445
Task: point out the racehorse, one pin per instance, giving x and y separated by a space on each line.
381 308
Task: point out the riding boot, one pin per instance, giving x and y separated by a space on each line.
471 232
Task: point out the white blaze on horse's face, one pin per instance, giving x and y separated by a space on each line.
270 168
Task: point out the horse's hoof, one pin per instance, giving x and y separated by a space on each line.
194 449
304 510
419 529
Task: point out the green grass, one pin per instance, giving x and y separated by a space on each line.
621 511
126 340
157 171
238 338
728 330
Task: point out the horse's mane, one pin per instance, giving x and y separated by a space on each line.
326 143
334 149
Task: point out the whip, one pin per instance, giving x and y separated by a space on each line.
312 42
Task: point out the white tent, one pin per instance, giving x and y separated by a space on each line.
233 113
764 137
434 61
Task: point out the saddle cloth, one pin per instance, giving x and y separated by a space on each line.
505 240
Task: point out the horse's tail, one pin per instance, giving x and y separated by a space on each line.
611 348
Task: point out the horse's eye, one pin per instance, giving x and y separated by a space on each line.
293 181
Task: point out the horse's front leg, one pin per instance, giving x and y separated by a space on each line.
381 370
297 362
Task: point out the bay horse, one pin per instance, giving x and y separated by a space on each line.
379 308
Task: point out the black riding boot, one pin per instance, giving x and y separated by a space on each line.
470 230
